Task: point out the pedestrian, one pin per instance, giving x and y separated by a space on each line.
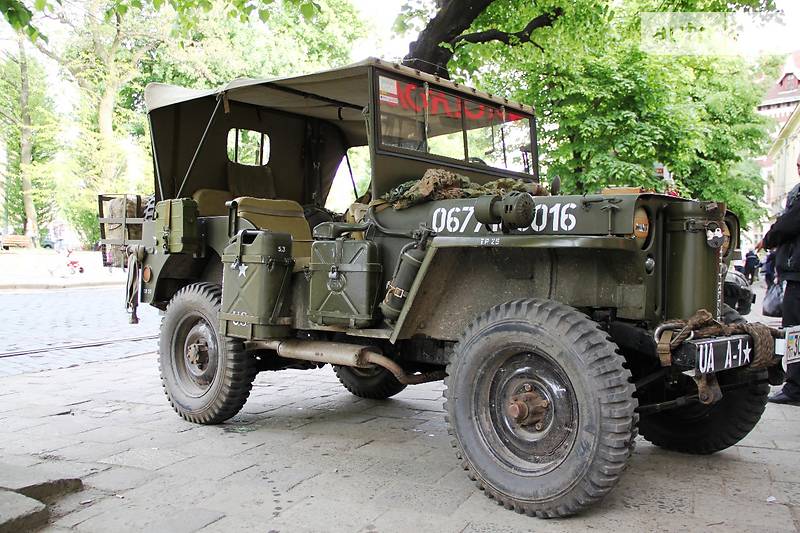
785 236
751 262
769 268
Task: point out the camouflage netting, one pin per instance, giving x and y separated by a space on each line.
440 184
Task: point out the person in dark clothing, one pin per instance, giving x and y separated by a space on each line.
769 269
785 236
751 263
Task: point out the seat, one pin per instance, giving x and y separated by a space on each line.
283 216
211 202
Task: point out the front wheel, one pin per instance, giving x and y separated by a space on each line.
206 376
541 407
706 429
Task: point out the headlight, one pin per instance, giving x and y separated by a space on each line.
641 226
726 239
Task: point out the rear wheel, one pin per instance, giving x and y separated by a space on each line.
705 429
541 407
150 208
374 383
206 376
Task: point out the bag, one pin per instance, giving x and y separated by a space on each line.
773 301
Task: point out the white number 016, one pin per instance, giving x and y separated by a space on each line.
558 217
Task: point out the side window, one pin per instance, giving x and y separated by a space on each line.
248 147
341 194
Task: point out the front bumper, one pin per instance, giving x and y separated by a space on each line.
714 354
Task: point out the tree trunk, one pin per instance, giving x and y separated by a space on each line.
3 186
26 145
452 19
105 126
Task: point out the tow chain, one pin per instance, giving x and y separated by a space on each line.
703 325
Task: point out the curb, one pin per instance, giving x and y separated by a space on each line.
48 285
20 513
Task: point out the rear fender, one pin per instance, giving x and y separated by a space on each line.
171 272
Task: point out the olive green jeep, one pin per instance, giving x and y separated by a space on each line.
562 325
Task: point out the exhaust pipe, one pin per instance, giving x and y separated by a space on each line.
338 353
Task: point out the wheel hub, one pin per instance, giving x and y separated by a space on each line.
197 354
531 417
528 408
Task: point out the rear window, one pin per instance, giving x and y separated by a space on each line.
421 118
248 147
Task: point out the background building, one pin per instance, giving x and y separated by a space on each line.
783 97
779 167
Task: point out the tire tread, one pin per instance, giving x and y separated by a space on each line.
237 375
619 424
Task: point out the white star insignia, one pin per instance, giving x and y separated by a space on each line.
746 353
242 269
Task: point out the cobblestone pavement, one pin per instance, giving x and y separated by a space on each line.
305 455
33 320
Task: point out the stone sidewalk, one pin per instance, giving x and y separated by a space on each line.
305 455
47 269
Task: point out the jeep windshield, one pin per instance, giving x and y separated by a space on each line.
416 117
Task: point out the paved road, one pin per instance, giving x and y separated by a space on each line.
41 319
306 456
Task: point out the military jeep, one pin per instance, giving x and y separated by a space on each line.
562 325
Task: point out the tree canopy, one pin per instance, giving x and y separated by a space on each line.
608 112
21 16
110 49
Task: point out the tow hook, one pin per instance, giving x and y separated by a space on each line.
708 390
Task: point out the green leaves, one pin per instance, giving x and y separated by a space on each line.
309 9
608 112
20 17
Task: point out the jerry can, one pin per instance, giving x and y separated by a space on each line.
256 274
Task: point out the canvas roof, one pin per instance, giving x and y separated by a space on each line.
346 85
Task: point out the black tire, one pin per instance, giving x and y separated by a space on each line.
373 383
745 305
731 315
150 208
213 388
581 446
705 429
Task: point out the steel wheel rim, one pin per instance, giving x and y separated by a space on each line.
525 449
194 377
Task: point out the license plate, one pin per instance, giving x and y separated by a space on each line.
792 345
715 355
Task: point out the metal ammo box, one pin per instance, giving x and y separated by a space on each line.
345 274
176 226
257 268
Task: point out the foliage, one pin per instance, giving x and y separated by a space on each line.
113 48
45 143
218 49
608 112
21 17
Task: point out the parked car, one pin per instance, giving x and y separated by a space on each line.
550 317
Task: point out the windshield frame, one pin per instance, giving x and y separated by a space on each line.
382 148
